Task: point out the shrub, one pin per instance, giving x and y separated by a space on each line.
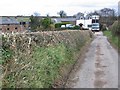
115 28
103 27
58 25
6 52
76 27
46 22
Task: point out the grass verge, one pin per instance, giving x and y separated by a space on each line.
113 39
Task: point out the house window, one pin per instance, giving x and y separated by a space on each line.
16 28
8 24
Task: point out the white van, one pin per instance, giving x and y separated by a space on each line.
95 27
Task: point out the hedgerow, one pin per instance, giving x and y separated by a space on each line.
39 60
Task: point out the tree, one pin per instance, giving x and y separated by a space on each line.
62 14
46 22
79 15
107 16
92 13
107 12
35 22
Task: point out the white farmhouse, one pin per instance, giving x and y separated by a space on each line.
86 23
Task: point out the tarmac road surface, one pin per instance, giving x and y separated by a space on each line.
100 69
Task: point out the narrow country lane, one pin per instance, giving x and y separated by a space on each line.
100 69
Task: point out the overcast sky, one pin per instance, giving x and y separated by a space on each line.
51 7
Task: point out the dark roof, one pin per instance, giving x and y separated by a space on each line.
8 20
68 19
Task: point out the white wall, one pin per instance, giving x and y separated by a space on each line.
84 22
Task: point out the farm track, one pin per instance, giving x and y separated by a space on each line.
100 66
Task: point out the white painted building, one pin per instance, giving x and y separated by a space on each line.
86 23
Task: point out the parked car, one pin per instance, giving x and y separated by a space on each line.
62 26
69 26
95 27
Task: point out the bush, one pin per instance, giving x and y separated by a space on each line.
58 25
46 22
77 27
5 51
103 27
115 28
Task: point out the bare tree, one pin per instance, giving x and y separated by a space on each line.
79 15
107 16
62 14
107 12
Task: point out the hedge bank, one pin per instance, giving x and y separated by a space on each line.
41 59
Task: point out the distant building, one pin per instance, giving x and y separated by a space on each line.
24 21
86 23
10 24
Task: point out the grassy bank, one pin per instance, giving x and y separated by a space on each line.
42 69
48 62
112 38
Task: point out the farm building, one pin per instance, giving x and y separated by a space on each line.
10 24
